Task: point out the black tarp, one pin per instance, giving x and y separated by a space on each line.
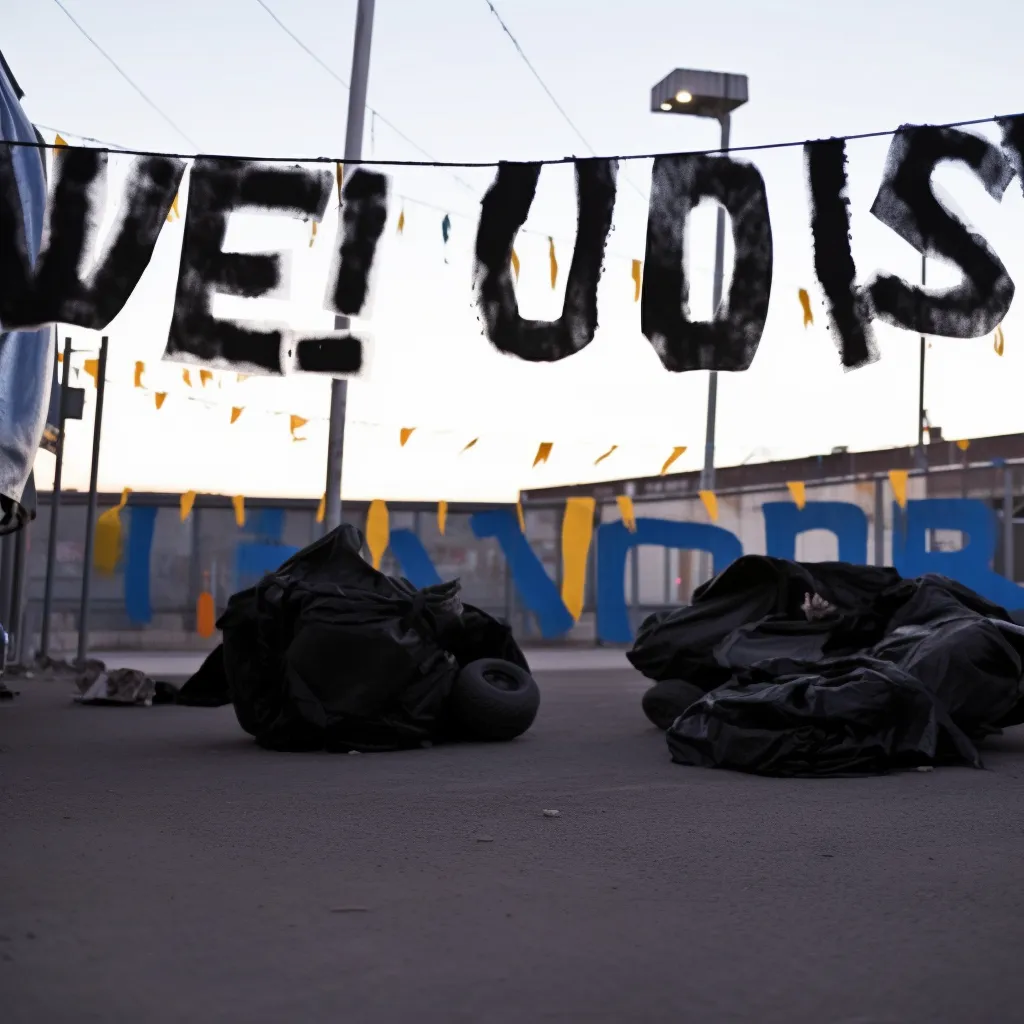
828 668
329 653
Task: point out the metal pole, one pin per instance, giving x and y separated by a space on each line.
90 514
1009 561
51 542
921 414
716 301
6 577
879 521
14 627
353 152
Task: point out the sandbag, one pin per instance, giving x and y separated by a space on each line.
329 653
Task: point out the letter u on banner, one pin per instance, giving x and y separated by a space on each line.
729 341
577 533
503 212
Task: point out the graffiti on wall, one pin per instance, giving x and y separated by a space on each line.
973 564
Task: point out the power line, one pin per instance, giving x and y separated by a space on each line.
761 147
551 96
117 67
341 81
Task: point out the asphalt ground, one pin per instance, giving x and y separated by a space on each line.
155 866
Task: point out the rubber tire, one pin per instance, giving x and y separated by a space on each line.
664 702
494 701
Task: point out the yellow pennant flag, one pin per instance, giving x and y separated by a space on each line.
515 264
107 542
321 509
238 504
676 452
577 533
710 500
236 411
206 613
553 261
296 423
339 174
627 511
401 221
58 142
798 491
92 367
188 499
140 368
186 377
521 516
442 517
601 458
805 305
637 279
963 445
898 480
160 397
205 376
470 445
404 434
543 452
378 531
173 213
312 233
999 343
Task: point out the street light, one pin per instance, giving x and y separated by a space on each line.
712 94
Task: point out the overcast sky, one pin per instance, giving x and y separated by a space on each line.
447 76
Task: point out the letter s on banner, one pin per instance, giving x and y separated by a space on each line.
55 291
678 183
216 188
503 212
906 202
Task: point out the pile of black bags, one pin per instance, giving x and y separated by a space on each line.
329 653
787 668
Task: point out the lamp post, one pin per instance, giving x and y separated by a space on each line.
713 94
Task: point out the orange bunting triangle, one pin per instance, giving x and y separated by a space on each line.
543 452
515 264
312 233
963 445
378 531
442 517
188 499
805 305
140 368
186 377
521 516
676 452
898 479
238 504
401 222
627 511
58 142
637 279
173 213
798 492
339 174
296 423
92 367
600 459
321 509
999 343
553 261
205 376
241 377
404 434
160 397
470 445
710 500
236 411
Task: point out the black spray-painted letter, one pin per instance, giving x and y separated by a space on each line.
906 202
849 310
729 341
216 188
54 290
503 212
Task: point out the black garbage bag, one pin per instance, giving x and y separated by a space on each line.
329 653
827 668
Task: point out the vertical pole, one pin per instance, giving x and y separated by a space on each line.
921 414
1009 560
880 521
708 475
51 541
195 568
353 152
18 592
90 513
6 577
